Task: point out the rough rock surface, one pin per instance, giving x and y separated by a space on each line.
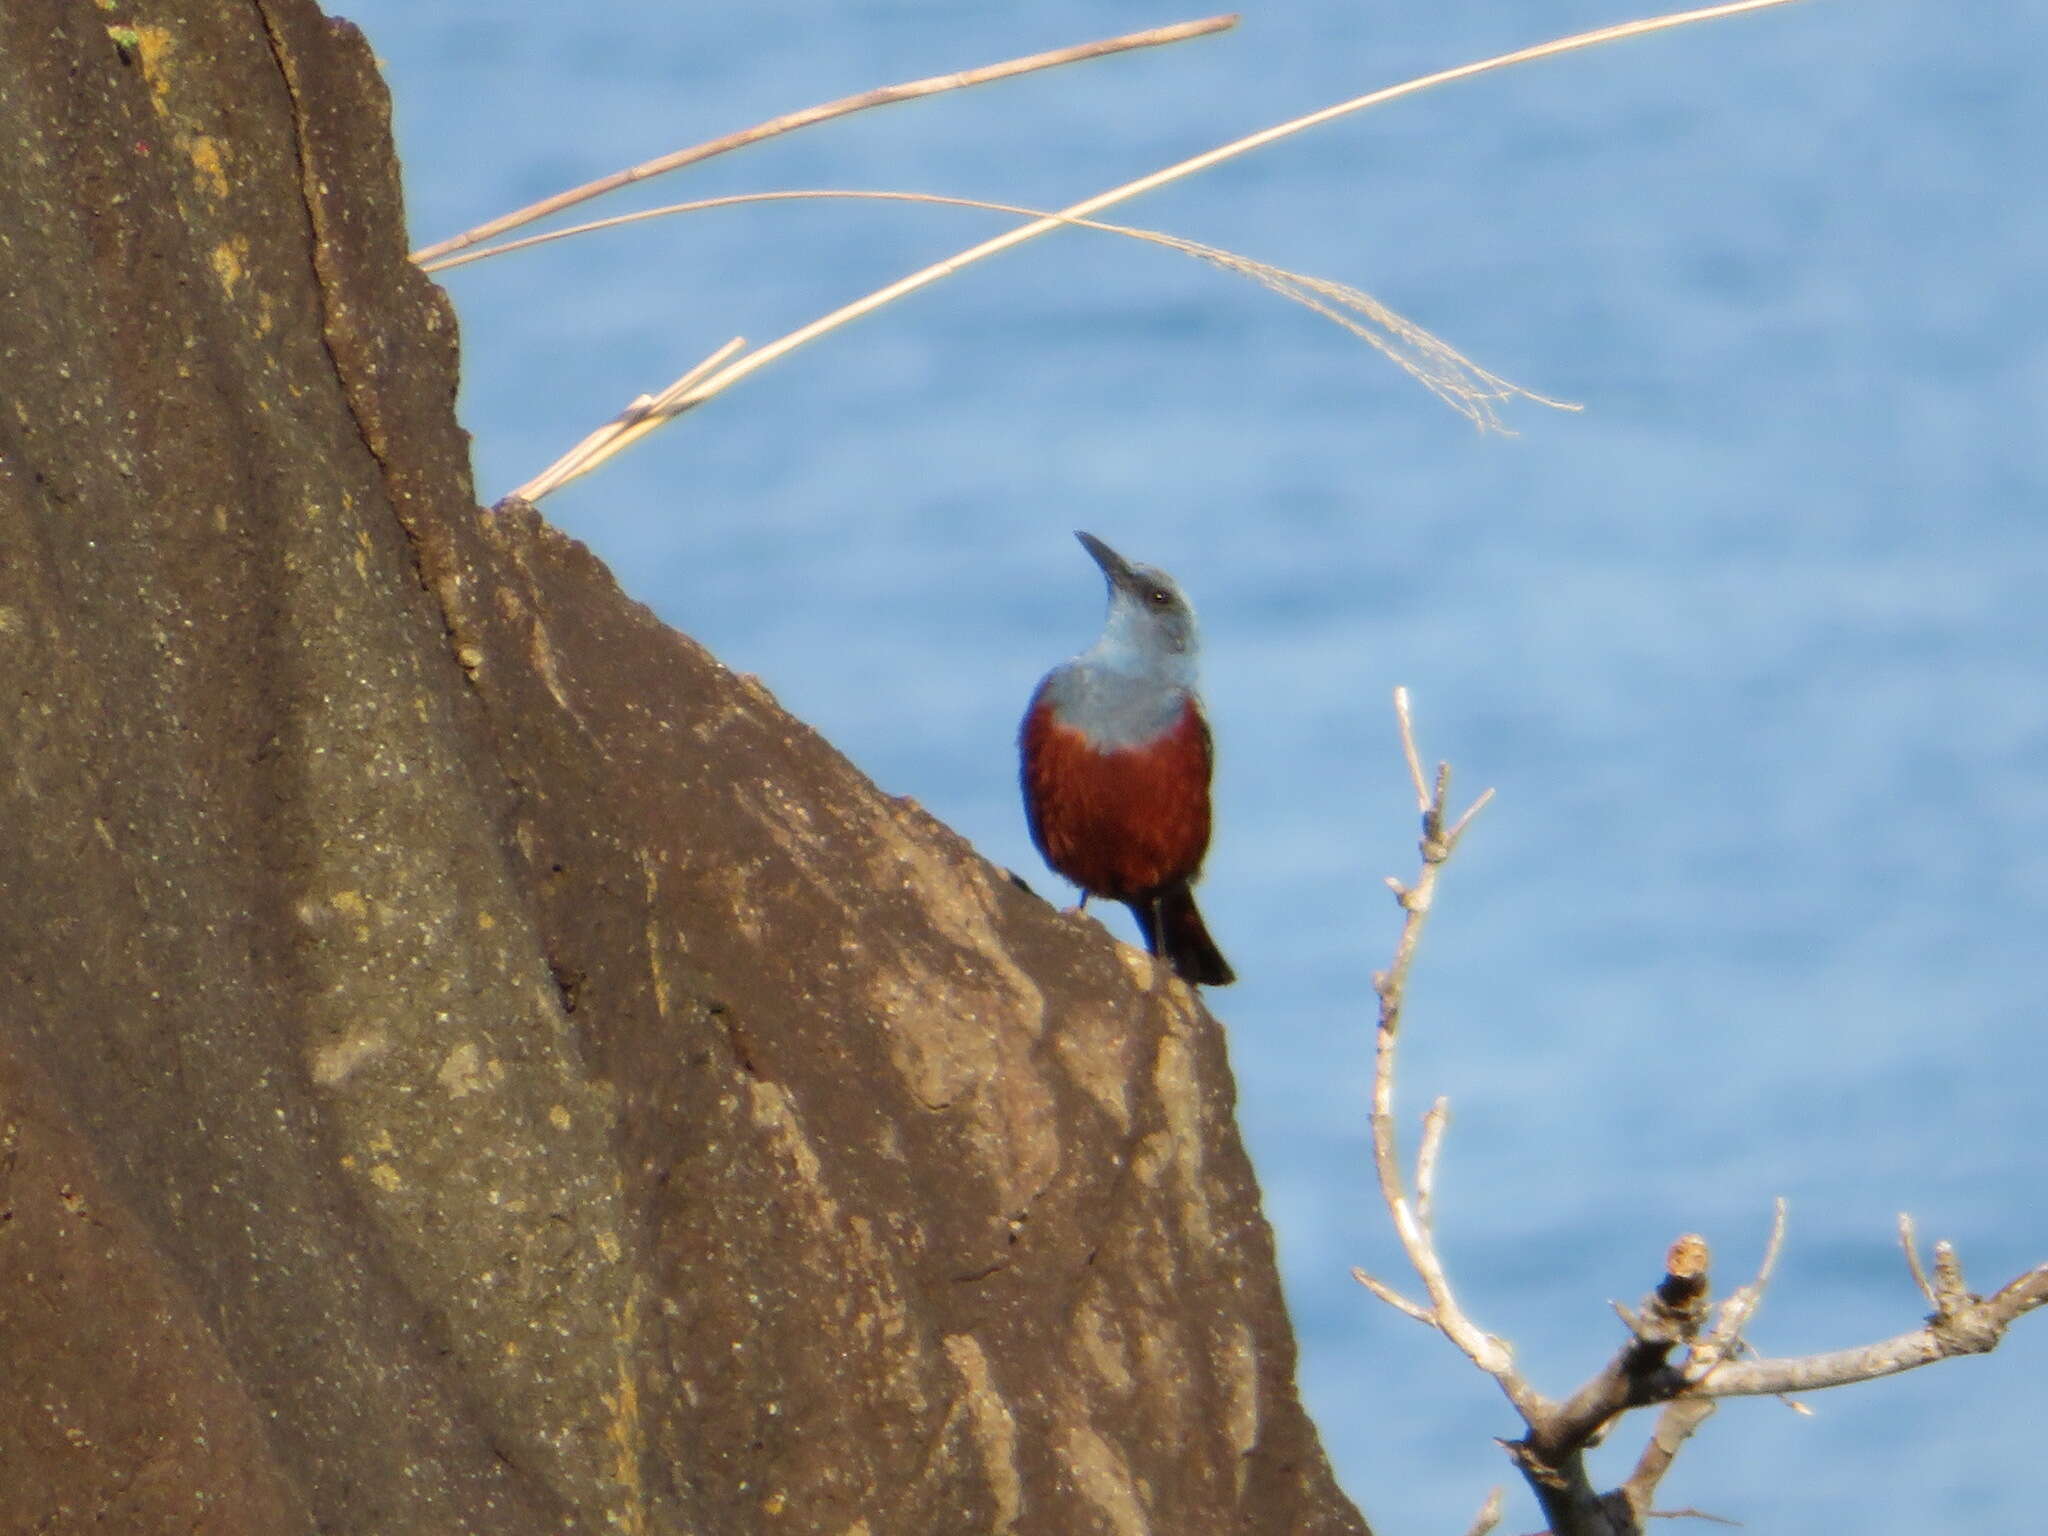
468 1062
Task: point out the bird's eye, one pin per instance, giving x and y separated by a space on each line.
1161 597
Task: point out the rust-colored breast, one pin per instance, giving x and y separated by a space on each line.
1118 824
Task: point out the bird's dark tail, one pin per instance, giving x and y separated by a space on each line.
1173 927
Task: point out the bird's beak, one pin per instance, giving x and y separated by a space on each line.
1114 565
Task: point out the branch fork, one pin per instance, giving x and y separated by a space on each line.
1676 1319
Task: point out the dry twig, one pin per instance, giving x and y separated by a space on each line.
1417 1240
740 367
430 257
733 372
1474 392
1675 1316
638 419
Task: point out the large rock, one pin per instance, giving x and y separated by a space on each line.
468 1062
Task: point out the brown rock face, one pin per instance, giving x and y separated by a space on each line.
469 1063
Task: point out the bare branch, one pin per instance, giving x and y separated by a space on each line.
1458 828
1950 1294
881 96
1973 1327
1417 1242
1909 1241
1677 1313
1736 1311
1552 1454
1408 752
1433 1126
1392 1297
1675 1426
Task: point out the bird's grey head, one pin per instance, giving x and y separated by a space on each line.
1151 625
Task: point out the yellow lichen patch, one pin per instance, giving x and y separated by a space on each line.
227 263
623 1430
154 47
206 160
657 973
385 1177
558 1117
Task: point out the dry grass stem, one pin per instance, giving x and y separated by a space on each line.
741 367
881 96
733 372
1472 391
1440 368
638 419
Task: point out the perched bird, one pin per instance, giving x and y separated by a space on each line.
1116 763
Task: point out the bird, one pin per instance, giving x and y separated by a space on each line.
1116 760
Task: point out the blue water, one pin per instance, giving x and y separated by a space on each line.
1752 649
